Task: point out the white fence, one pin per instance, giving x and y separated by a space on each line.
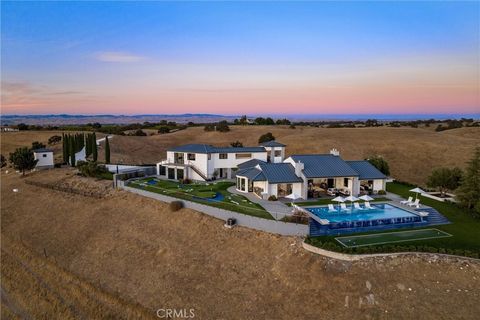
272 226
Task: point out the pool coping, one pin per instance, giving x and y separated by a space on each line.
398 206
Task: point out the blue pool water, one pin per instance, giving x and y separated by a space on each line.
380 212
218 197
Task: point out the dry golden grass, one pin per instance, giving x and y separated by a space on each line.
137 249
411 152
36 287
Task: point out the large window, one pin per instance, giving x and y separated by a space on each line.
223 155
241 184
243 155
171 173
191 156
345 182
162 171
178 157
179 174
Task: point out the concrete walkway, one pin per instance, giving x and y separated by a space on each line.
277 209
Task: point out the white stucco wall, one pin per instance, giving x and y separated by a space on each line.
379 184
45 159
209 166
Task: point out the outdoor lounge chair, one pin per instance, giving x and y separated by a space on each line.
410 200
343 207
331 207
356 205
416 203
368 206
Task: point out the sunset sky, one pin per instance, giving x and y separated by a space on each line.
240 58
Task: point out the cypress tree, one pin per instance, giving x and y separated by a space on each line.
94 147
88 145
63 148
72 152
107 151
67 148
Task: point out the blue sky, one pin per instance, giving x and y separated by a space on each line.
162 57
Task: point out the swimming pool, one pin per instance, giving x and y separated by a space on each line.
380 212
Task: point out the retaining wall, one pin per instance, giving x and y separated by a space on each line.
271 226
356 257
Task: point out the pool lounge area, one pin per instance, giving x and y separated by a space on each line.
381 216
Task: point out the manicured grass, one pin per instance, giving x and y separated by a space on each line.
391 237
196 191
465 239
324 202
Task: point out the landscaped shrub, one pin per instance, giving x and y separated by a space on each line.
186 181
175 205
382 192
92 169
272 198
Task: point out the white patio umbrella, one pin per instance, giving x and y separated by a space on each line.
417 191
293 196
339 199
351 199
365 197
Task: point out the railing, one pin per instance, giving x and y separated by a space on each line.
197 170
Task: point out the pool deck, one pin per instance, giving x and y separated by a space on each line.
432 219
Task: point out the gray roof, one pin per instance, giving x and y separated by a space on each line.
206 148
252 174
324 166
250 163
272 143
42 150
279 173
366 170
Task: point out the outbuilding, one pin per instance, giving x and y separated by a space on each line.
44 157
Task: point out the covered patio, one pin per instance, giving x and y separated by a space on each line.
330 187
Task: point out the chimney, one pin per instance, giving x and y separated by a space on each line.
335 152
299 166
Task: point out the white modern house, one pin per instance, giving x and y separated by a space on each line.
264 170
44 157
205 162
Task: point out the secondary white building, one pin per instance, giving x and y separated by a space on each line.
44 157
264 170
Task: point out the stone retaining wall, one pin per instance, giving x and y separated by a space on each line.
356 257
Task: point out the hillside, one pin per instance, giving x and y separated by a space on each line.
411 152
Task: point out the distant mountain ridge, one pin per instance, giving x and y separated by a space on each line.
77 119
72 119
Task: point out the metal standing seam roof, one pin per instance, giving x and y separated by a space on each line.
324 166
366 170
272 143
271 172
250 163
279 173
206 148
252 174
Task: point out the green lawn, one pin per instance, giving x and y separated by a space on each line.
391 237
196 191
465 231
324 202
